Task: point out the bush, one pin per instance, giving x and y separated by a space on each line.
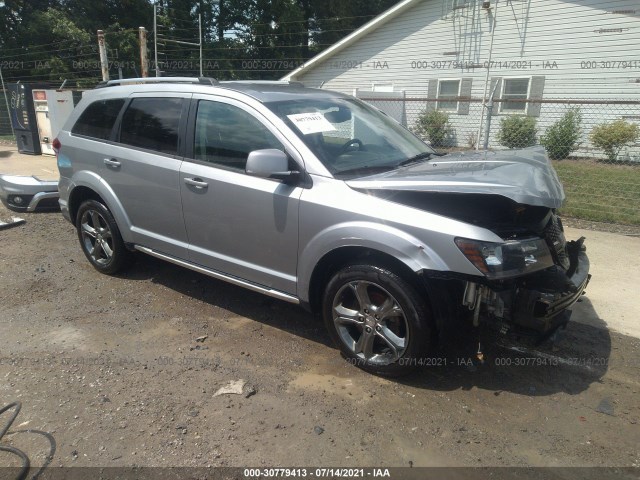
434 126
517 131
562 137
612 137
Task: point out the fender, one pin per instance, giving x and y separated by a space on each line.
414 253
95 182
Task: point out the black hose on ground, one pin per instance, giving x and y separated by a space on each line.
23 456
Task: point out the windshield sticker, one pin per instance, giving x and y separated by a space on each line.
309 123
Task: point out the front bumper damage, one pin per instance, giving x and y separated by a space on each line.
539 301
28 193
534 305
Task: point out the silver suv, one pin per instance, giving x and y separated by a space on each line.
318 199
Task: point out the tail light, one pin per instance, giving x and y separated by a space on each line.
56 145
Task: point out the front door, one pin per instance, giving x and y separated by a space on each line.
237 224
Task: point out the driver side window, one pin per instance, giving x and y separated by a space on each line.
225 135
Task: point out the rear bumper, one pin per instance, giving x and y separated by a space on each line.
28 194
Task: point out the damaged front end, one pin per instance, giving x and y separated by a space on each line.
525 283
528 285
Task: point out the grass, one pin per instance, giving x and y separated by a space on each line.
7 138
600 192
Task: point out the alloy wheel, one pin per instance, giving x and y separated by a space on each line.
97 237
370 322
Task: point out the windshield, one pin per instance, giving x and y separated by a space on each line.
351 138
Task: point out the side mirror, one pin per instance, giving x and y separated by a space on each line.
271 163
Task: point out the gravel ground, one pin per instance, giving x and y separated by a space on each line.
124 370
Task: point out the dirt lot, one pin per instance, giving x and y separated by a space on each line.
110 367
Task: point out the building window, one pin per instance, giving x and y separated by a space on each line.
447 91
515 92
382 87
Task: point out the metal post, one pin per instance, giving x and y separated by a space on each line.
4 89
104 64
487 128
200 41
142 35
155 37
486 80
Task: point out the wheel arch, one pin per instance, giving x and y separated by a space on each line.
78 196
338 244
340 257
88 185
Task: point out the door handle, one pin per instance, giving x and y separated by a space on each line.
110 162
196 182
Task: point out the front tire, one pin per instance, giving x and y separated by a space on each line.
100 237
377 318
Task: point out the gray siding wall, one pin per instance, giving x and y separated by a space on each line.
576 46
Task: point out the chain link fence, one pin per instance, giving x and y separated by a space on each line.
6 132
594 145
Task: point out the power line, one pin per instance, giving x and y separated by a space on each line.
41 45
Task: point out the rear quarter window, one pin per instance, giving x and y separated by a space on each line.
98 119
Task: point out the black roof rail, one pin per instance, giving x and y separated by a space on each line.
208 81
292 83
135 81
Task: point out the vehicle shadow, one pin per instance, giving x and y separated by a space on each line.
577 357
570 361
237 300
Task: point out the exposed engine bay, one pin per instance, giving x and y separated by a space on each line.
534 303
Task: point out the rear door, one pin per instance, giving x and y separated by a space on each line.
143 169
241 225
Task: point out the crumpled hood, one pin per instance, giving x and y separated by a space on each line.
525 176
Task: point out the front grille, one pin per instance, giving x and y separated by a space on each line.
554 235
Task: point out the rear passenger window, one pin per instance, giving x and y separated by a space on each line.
98 119
152 123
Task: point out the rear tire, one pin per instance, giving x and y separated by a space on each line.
378 319
100 238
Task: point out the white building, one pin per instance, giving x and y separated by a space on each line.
577 50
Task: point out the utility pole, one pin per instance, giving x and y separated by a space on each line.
144 64
486 80
155 37
200 40
104 64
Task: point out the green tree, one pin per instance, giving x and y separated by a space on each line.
49 37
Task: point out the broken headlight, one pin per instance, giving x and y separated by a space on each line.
508 259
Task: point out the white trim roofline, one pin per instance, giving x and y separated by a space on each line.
352 38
